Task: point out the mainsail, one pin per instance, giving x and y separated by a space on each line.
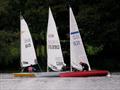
28 55
54 53
77 51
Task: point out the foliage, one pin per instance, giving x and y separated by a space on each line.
92 50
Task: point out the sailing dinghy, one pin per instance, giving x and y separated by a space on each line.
77 53
28 55
55 60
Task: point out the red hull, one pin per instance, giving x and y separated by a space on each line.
85 73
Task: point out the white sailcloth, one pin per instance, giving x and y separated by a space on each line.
54 53
28 55
77 51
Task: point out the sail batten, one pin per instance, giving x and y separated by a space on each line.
77 51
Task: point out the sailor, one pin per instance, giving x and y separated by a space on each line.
85 67
31 68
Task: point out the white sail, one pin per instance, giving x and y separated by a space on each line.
77 51
54 53
28 55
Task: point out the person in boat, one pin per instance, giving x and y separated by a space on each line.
31 68
85 67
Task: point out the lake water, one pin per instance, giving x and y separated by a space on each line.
8 82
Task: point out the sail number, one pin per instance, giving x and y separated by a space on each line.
53 46
76 36
76 43
27 45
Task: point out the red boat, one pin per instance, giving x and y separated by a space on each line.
85 73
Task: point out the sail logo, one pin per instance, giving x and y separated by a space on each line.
51 35
53 46
27 40
75 35
74 32
27 43
25 62
53 41
76 43
58 61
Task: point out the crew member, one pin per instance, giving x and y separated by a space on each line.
85 67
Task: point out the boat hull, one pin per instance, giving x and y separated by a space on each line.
39 74
85 73
24 75
64 74
48 74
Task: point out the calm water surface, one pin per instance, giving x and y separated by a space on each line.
8 82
